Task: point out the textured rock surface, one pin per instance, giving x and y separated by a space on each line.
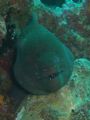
71 23
6 103
5 81
69 103
2 28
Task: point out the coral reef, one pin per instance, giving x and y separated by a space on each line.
72 102
6 103
3 6
20 11
3 30
71 24
7 48
81 113
5 82
2 27
6 108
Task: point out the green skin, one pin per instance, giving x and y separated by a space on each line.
43 64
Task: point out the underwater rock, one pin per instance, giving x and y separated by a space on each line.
70 24
5 81
3 6
6 108
53 2
81 113
43 64
2 28
68 103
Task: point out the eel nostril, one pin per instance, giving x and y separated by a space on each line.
53 75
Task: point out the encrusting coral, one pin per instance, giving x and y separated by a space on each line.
71 23
3 30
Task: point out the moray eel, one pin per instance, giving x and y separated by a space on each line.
43 63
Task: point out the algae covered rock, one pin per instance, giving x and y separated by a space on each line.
43 64
5 81
3 30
